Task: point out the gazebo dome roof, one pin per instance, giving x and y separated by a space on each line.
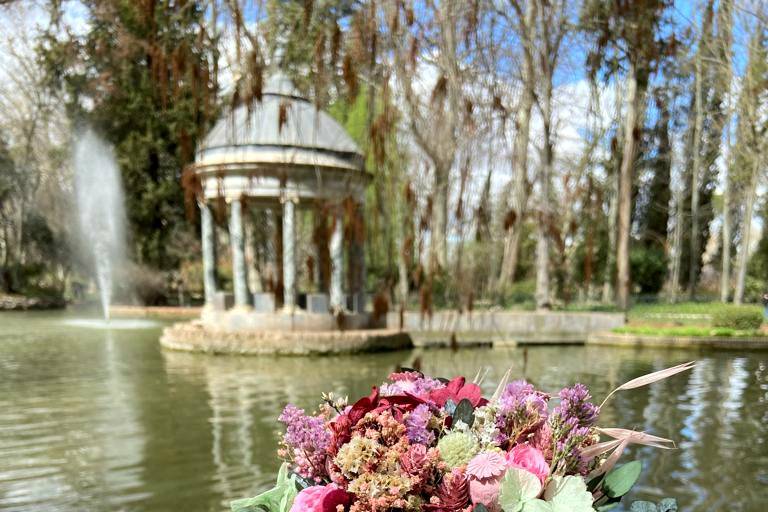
283 130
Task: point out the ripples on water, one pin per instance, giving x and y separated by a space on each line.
102 420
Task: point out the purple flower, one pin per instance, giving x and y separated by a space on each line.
571 423
574 403
306 439
522 410
410 383
520 395
416 426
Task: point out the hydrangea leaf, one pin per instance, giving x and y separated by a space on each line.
278 499
537 506
568 494
517 487
619 481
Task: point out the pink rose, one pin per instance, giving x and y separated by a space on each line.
320 498
524 456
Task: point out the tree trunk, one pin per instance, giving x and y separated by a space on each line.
438 249
677 248
741 271
693 268
545 173
725 273
613 214
625 190
609 275
520 157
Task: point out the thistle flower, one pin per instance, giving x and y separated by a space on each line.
458 448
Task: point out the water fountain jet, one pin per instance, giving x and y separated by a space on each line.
101 210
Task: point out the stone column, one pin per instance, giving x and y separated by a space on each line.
251 254
337 262
289 253
208 238
239 274
357 253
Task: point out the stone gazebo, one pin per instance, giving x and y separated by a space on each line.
282 155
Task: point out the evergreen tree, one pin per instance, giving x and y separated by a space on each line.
144 75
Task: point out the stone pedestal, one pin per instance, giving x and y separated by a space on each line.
264 302
318 303
222 301
356 302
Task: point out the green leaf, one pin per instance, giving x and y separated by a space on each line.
517 487
301 482
608 504
278 499
619 481
643 506
568 494
480 508
594 483
450 407
464 412
537 506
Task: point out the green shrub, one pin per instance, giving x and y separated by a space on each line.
735 317
648 268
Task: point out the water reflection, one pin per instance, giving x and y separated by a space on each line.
94 420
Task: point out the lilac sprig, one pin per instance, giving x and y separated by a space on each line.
521 410
571 423
416 426
306 440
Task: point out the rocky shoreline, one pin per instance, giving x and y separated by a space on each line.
9 302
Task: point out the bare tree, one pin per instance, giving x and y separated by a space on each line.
753 132
433 43
523 19
552 26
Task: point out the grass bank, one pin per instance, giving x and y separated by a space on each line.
687 331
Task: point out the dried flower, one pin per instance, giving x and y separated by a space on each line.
305 442
416 424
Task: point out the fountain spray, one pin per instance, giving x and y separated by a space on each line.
101 211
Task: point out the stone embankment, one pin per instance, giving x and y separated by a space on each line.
197 337
687 342
24 303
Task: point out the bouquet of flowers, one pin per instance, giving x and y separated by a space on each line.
418 443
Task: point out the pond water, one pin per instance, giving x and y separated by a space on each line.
103 420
